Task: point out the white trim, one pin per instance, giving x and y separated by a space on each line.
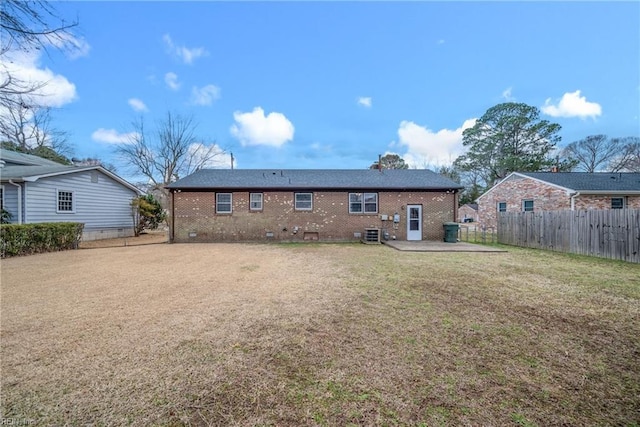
569 191
624 202
20 201
33 178
533 205
363 203
526 177
73 201
295 201
230 211
251 208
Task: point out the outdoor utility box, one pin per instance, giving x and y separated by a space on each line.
451 232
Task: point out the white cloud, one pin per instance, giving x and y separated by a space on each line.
255 128
73 47
216 156
205 95
52 90
365 101
111 136
138 105
441 41
572 105
507 96
171 79
187 55
426 147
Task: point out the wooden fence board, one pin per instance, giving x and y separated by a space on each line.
613 233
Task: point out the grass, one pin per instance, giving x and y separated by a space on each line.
319 335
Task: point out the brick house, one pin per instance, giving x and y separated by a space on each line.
216 205
468 212
553 191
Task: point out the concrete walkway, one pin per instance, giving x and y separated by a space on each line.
436 246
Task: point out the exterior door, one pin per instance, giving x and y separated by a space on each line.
414 222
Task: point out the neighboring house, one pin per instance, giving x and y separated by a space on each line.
214 205
553 191
468 213
33 189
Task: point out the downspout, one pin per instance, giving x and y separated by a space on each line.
573 200
19 200
172 227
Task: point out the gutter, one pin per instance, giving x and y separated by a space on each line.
573 200
19 200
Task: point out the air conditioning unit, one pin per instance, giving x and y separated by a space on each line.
371 235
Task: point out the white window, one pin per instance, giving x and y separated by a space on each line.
502 206
65 201
255 201
223 202
303 201
617 203
363 202
527 205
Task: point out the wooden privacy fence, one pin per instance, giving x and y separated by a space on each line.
613 234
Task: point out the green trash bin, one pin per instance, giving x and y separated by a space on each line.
451 232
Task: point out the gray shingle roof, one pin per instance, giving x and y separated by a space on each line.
583 181
339 179
20 172
14 157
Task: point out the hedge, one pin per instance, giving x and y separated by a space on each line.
27 239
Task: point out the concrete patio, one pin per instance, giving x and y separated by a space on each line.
436 246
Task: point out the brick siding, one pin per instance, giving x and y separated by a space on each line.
195 218
515 190
467 212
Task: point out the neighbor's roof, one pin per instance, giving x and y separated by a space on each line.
344 179
14 157
590 182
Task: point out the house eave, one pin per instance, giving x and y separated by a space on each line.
313 188
34 178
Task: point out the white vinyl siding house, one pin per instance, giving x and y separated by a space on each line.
49 192
98 205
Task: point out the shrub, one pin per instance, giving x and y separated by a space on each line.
5 216
27 239
149 213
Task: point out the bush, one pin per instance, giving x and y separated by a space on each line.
27 239
149 213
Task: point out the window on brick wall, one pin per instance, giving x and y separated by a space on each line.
527 205
303 201
223 203
255 201
502 206
363 202
617 203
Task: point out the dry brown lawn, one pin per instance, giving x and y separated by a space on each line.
318 334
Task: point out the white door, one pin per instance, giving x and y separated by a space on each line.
414 222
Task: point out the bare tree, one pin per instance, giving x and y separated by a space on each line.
599 153
628 159
593 153
29 127
26 26
173 152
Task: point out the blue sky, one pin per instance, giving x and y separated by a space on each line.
334 84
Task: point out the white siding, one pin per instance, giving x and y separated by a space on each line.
99 205
11 201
